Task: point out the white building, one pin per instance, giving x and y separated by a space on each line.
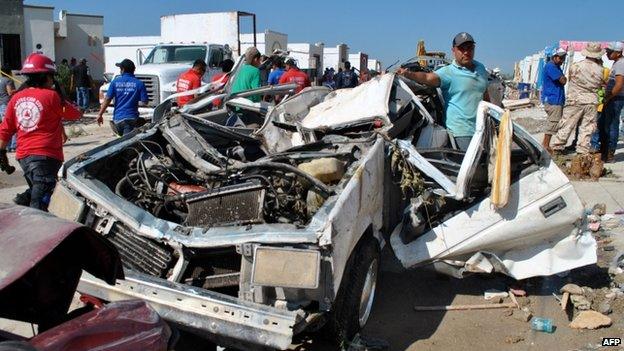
266 42
25 27
81 36
359 61
39 29
375 65
335 56
309 58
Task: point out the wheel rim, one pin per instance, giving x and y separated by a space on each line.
368 293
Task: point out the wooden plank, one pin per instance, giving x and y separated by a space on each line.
465 307
564 301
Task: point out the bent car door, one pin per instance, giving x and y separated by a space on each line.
536 233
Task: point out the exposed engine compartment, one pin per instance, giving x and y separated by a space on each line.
279 188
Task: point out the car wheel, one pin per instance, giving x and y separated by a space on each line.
356 295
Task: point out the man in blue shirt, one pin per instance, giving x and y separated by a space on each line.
128 92
276 72
553 94
463 84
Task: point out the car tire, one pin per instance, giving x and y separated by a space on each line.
356 294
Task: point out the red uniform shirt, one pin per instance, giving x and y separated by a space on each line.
35 114
220 78
294 75
188 80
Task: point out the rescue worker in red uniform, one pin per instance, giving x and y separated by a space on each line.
190 80
35 113
294 75
222 78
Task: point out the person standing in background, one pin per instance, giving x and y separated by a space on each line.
553 94
81 80
7 88
586 79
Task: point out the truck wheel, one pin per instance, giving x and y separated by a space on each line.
354 301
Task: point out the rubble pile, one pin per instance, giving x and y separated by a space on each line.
593 305
582 166
593 297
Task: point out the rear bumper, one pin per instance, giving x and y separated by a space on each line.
222 318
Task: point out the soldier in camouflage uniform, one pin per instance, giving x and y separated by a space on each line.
586 79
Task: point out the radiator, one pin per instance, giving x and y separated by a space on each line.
229 205
141 254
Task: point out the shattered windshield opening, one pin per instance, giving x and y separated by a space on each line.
176 54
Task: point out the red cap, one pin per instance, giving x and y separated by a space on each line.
38 63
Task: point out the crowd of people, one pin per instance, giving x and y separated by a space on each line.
592 106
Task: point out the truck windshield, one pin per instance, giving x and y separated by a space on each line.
176 53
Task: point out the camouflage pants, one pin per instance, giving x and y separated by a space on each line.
572 114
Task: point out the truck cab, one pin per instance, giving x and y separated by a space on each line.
164 64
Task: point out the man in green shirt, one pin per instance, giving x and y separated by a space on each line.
248 77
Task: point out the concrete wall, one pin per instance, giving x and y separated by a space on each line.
85 35
266 42
39 29
374 65
309 57
214 28
335 56
119 48
359 61
12 22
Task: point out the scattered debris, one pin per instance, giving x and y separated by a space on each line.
361 343
493 293
604 307
496 300
590 320
517 292
580 302
594 227
514 339
573 289
514 300
542 324
599 209
523 315
564 301
517 104
583 166
465 307
593 218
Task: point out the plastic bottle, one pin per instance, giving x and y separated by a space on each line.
542 324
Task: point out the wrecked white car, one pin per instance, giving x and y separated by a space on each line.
253 233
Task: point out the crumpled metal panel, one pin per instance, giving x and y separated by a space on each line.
28 235
119 326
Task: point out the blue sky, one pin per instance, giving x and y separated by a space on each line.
389 30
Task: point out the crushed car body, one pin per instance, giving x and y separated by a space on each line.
252 222
40 271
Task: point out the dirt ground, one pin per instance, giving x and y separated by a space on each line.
395 321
